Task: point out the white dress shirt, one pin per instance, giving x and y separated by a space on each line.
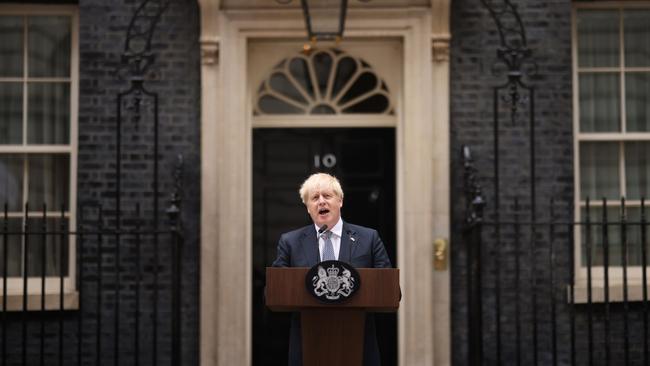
337 231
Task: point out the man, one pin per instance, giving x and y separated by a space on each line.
357 245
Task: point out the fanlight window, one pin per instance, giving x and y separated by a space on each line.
323 82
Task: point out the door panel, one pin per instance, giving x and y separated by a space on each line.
364 162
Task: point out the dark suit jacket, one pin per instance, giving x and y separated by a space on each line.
360 246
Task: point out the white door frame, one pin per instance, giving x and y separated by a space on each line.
422 134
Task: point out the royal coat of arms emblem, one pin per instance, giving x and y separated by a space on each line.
332 281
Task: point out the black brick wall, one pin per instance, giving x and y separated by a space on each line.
528 292
175 78
473 53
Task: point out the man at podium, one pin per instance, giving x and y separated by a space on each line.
330 238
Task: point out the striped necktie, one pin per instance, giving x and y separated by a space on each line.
328 249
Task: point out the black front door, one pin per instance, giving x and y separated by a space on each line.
363 159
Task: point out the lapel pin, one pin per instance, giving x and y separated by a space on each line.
353 239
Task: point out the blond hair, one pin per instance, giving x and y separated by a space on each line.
320 180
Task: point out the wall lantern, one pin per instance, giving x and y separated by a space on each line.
324 19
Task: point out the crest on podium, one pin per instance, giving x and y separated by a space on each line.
332 282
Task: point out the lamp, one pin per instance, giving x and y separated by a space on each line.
324 19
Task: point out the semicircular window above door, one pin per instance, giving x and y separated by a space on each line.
323 82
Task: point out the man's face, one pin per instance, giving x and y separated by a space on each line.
324 206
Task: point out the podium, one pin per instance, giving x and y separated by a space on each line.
332 334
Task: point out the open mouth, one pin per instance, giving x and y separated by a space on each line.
323 211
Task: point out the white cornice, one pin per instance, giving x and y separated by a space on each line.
440 35
209 31
209 20
440 16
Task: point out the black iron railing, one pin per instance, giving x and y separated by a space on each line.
103 285
116 300
532 301
547 283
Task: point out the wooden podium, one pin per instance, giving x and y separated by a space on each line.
332 334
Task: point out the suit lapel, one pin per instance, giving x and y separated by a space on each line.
309 243
347 244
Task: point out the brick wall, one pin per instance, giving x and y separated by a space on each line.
473 53
518 265
175 79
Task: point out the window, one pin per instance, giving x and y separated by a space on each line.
323 82
38 91
611 71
